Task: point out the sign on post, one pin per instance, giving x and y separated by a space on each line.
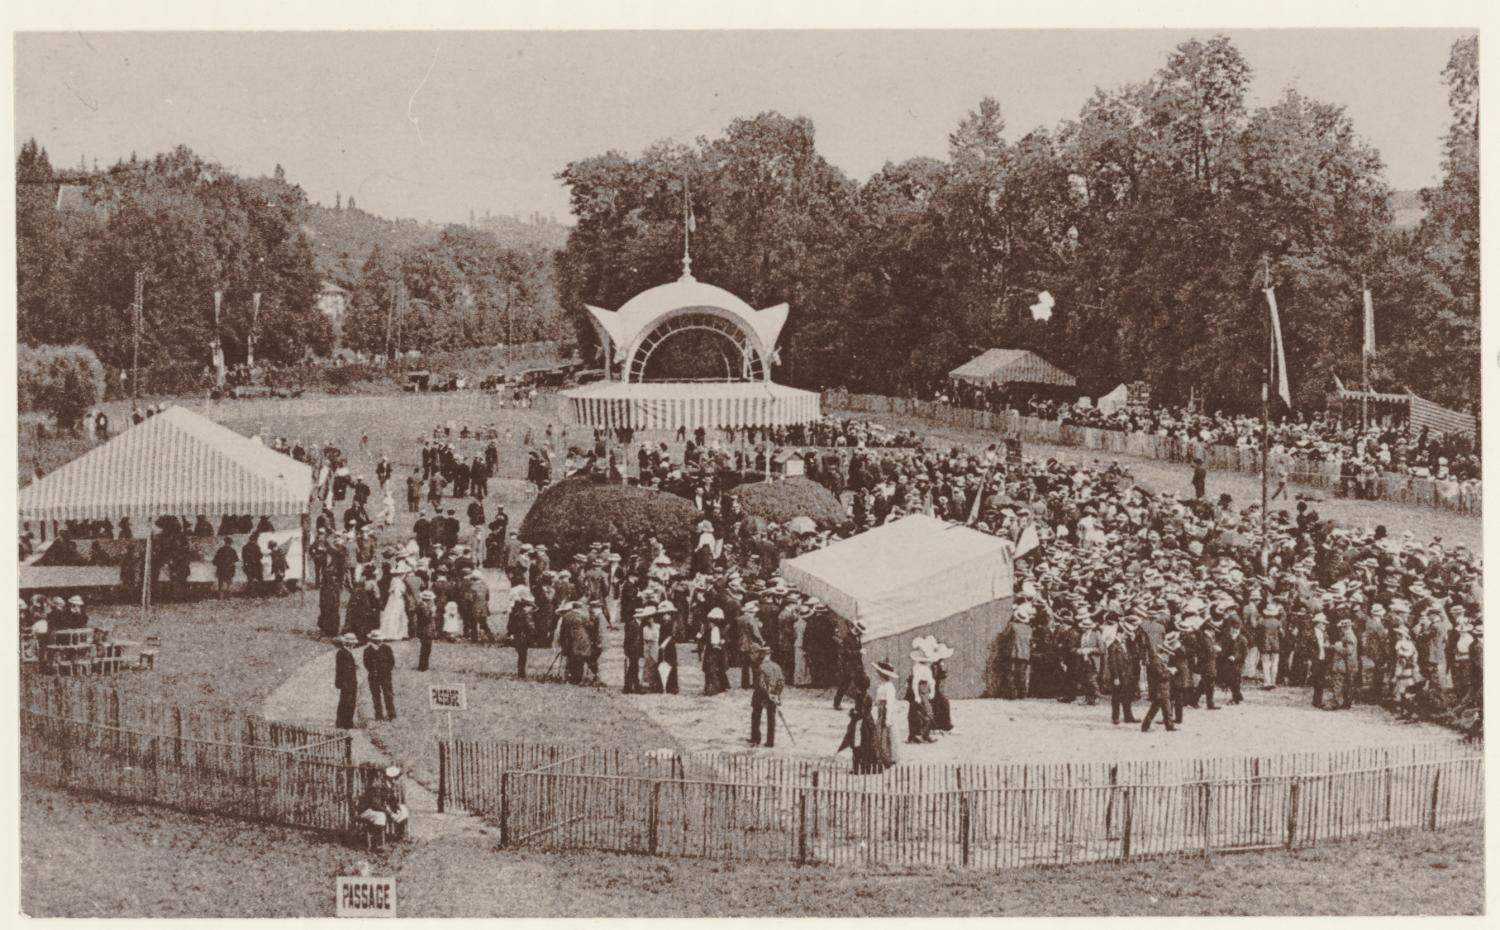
447 697
365 896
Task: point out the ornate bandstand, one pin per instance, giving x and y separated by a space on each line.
729 346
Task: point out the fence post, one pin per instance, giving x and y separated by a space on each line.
1255 798
655 815
442 792
177 728
1291 812
1208 844
1432 813
1125 842
504 810
801 826
964 829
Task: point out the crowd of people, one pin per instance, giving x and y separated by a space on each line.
1363 455
1143 598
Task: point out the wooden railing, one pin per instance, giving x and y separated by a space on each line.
772 809
90 738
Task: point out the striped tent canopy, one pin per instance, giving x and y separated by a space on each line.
1013 365
177 462
1420 412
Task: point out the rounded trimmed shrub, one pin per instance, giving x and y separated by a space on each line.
783 499
577 511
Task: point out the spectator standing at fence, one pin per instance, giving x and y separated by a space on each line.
380 666
346 680
1161 671
1270 644
1200 478
573 641
1281 478
1319 656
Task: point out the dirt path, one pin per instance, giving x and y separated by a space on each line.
309 697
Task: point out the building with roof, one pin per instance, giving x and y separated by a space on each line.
1404 409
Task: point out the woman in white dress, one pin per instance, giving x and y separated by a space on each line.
393 616
887 711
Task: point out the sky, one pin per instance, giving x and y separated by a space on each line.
431 125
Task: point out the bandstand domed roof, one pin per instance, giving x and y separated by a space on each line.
642 312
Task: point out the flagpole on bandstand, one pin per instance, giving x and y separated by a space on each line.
1265 426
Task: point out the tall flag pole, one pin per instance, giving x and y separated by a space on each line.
1265 417
138 313
1369 351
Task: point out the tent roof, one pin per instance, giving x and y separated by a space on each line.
1006 365
177 462
906 574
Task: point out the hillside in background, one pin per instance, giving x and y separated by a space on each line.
343 237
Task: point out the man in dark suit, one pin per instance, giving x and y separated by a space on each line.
634 648
380 665
425 624
1016 650
573 639
766 698
520 627
346 680
225 559
250 561
422 531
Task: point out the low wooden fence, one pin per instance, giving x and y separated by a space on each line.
90 738
1463 497
810 812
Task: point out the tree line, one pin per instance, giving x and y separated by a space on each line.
1154 218
192 228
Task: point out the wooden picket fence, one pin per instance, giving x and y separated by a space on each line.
90 738
765 808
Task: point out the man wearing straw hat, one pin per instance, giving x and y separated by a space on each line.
380 665
346 680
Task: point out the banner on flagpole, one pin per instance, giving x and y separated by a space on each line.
1278 351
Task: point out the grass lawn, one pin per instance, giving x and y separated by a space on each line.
165 864
229 654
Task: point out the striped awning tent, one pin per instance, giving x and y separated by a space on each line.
1420 412
1003 366
177 462
671 405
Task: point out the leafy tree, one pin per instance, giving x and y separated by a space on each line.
64 381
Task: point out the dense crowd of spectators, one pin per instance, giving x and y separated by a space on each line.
1320 438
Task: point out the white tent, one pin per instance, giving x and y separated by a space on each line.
1114 400
914 577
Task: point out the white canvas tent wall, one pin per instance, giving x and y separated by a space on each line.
1114 400
915 577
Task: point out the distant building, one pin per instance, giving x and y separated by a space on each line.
333 301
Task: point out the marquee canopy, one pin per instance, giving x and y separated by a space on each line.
177 462
907 574
1003 366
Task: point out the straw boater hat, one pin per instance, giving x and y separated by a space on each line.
393 772
716 614
666 607
76 600
431 596
348 639
885 669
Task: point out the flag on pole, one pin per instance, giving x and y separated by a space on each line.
687 206
1369 324
1279 353
978 500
